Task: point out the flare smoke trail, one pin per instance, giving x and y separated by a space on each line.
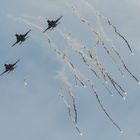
90 84
69 111
99 38
97 13
82 50
110 42
64 81
67 84
103 36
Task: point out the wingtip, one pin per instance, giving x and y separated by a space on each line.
60 17
17 61
12 46
44 31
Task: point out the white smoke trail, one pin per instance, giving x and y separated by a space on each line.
82 50
103 36
22 20
74 46
99 38
65 83
36 18
100 15
91 27
69 112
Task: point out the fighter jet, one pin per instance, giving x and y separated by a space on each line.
10 67
52 24
21 38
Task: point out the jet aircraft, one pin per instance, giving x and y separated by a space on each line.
21 38
52 24
10 67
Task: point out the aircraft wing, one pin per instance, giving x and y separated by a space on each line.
46 29
27 33
3 72
16 62
15 43
58 19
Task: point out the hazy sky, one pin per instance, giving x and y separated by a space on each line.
35 111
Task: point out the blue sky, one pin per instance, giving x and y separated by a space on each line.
35 111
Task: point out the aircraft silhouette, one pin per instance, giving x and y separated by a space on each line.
21 38
10 67
52 24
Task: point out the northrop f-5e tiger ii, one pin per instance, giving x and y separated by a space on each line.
21 38
10 67
52 24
